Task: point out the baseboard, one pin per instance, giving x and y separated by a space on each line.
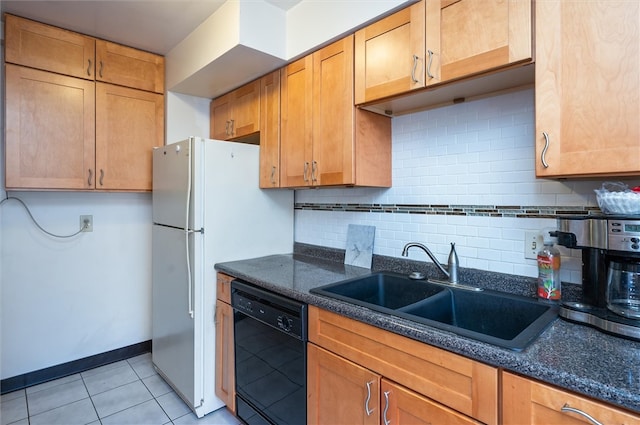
65 369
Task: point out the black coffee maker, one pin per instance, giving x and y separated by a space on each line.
610 267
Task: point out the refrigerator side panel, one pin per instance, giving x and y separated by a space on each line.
173 340
170 183
241 220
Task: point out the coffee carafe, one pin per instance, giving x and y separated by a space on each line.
623 287
610 248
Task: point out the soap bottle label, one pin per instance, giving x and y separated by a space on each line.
548 277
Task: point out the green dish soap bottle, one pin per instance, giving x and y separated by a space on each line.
549 270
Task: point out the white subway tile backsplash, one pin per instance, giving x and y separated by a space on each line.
473 154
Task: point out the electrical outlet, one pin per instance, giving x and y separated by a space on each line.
86 223
533 242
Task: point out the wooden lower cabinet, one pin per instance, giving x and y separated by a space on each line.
525 401
466 387
342 392
225 368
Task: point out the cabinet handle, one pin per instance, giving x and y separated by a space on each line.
304 173
314 170
413 70
567 408
366 402
544 151
226 128
429 74
101 176
90 177
89 68
273 174
386 408
231 127
101 66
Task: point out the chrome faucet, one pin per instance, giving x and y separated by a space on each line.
452 264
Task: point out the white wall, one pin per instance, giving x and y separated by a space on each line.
470 154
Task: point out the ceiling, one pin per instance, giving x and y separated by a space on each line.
153 25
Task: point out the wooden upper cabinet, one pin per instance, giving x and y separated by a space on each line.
478 36
129 67
48 48
236 114
587 91
325 140
296 123
333 115
129 123
270 130
525 401
435 41
389 55
49 143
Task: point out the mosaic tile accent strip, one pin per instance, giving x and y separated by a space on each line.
463 210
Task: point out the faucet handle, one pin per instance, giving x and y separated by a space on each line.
452 264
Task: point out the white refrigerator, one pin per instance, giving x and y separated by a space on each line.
207 208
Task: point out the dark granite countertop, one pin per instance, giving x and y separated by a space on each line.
568 355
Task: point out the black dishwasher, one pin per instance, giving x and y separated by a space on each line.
270 342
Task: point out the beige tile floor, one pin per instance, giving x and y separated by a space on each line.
126 392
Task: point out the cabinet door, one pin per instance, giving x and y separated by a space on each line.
220 117
478 36
333 115
525 401
48 48
225 372
129 123
129 67
389 55
50 130
245 112
270 130
296 123
587 93
339 391
402 406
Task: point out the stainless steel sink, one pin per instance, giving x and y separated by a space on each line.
505 320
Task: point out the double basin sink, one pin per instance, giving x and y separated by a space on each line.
505 320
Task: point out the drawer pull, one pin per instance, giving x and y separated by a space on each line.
386 408
544 151
101 67
89 68
567 408
90 177
101 177
366 402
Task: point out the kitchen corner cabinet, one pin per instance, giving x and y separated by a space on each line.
525 401
270 130
225 369
419 379
437 41
236 114
587 92
325 140
64 130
